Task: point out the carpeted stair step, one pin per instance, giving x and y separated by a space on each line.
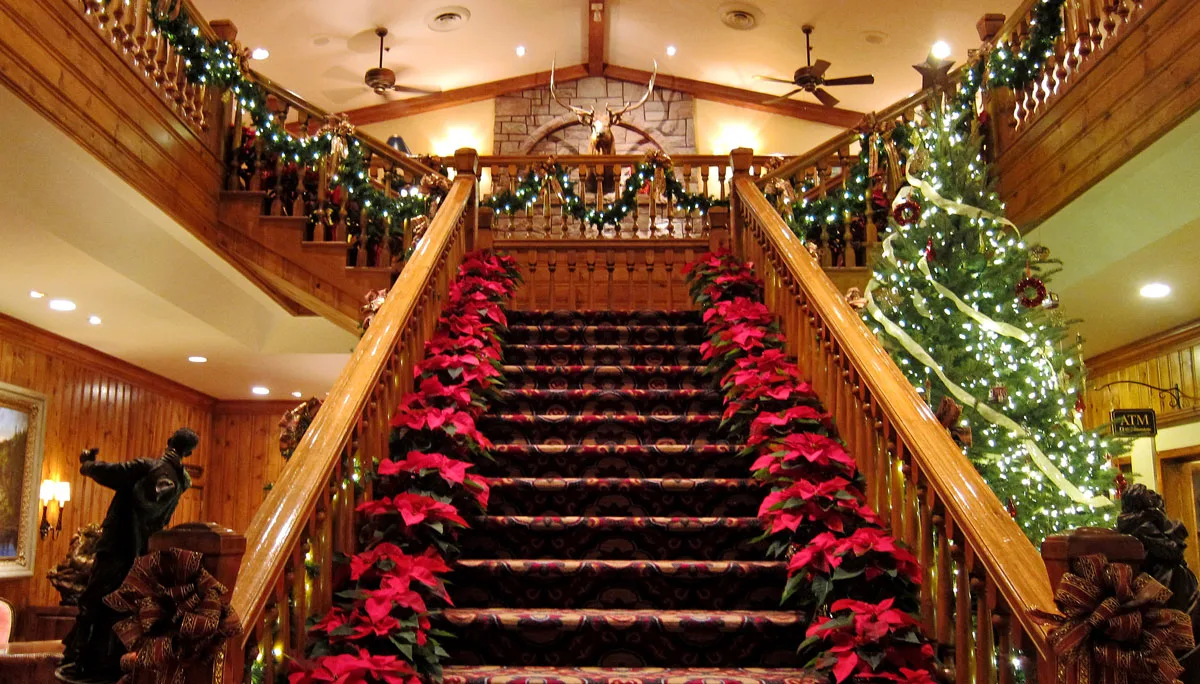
653 333
602 354
616 538
605 377
521 428
584 318
638 584
623 638
493 674
609 402
615 496
717 460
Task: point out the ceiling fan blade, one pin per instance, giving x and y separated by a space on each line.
781 98
415 90
772 79
341 95
341 73
850 80
825 98
819 68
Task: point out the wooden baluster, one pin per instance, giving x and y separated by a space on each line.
925 555
630 266
572 282
896 488
669 267
1002 627
944 581
982 591
532 260
648 264
962 614
591 279
610 264
551 266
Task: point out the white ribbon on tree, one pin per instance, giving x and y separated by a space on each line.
1039 458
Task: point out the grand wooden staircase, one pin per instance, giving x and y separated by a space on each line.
983 582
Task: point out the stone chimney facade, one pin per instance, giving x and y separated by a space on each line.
530 122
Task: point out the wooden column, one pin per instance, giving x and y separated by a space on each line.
223 549
718 228
483 236
1058 552
741 159
466 164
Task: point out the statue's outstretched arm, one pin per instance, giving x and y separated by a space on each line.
113 475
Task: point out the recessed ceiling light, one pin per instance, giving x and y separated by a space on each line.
297 394
198 359
260 53
36 295
1155 290
62 305
520 50
448 18
260 390
670 50
940 50
94 320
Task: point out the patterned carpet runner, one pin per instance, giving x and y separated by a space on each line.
619 543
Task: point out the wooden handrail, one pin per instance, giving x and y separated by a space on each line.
278 525
1011 563
526 160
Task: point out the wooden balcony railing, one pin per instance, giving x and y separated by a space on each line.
309 516
982 578
598 180
128 27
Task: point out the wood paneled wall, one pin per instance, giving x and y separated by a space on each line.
1163 360
245 448
1131 96
95 400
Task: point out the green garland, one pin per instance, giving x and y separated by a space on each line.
217 65
529 188
1016 66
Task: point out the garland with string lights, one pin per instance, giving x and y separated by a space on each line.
219 65
529 188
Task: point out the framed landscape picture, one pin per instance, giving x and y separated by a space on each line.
22 429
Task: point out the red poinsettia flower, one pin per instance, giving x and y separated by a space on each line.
414 509
907 676
414 414
801 448
459 394
873 540
424 568
820 555
874 621
360 668
394 590
449 469
802 501
760 429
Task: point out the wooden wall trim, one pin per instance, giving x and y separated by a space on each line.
1130 97
276 407
58 346
1181 337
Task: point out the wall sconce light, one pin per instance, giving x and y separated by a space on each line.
53 491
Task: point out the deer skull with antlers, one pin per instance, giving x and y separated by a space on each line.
601 140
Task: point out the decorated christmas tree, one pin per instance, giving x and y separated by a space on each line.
961 302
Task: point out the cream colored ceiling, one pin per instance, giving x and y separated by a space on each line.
1141 224
71 228
330 74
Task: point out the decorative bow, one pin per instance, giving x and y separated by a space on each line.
294 424
178 615
1117 621
657 158
373 301
339 128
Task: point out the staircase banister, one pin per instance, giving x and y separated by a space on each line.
846 138
1007 554
279 522
522 160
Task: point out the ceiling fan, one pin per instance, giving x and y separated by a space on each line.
382 79
809 79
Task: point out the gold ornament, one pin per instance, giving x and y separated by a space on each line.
855 298
339 126
1038 253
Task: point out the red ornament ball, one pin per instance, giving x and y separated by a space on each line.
1031 291
906 213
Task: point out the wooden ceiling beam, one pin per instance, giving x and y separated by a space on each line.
703 90
750 99
460 96
597 15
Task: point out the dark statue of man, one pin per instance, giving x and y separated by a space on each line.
147 490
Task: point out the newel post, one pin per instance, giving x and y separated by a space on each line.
223 550
466 165
1060 550
226 134
718 228
741 159
998 103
